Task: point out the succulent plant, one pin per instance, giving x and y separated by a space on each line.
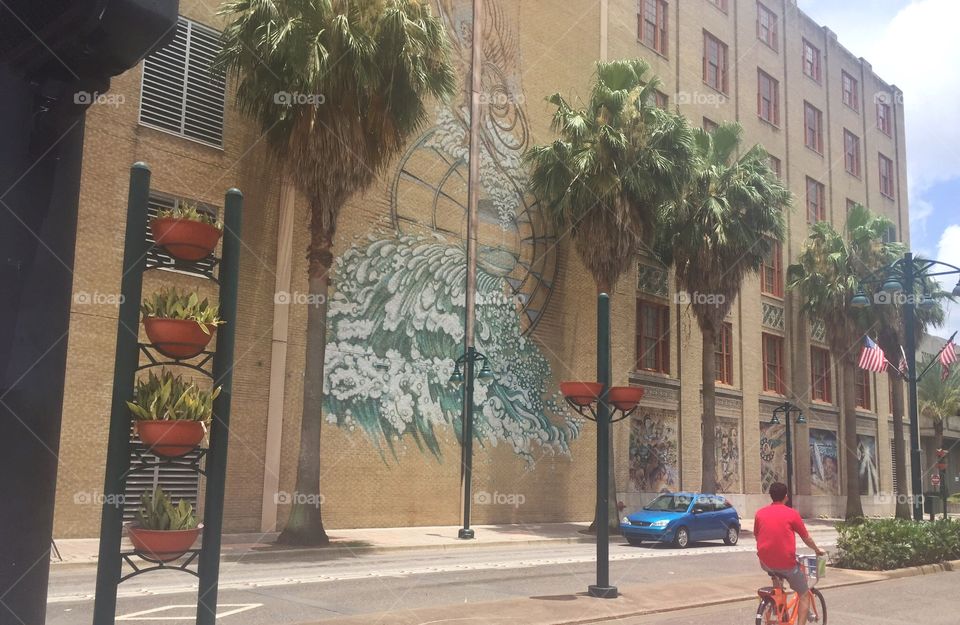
172 303
192 212
170 398
157 512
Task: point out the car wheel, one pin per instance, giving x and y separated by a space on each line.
732 535
636 542
682 538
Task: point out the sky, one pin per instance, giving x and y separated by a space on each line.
915 45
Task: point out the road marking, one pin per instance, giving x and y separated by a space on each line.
144 615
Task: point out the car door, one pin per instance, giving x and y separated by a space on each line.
699 518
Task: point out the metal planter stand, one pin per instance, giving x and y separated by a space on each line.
137 258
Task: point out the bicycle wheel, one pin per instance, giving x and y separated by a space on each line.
766 612
819 607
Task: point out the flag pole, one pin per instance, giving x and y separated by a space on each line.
936 358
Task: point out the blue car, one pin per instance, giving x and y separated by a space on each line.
682 518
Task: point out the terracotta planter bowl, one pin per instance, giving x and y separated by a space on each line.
581 393
162 545
624 397
170 439
177 338
185 239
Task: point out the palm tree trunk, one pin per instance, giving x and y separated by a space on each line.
851 466
903 510
305 524
709 422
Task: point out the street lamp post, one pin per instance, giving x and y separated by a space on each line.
901 279
468 362
786 409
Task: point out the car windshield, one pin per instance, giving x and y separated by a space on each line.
669 503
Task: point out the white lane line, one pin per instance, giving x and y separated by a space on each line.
145 615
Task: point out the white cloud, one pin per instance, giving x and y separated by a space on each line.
948 251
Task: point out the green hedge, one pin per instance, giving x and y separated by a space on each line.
883 544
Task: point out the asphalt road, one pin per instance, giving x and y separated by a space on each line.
276 593
929 599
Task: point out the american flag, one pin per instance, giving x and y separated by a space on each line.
947 357
872 358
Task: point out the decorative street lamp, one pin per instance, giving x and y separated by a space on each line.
904 276
603 404
468 361
787 409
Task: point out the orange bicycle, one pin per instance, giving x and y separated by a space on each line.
779 607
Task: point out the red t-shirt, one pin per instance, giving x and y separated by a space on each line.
773 527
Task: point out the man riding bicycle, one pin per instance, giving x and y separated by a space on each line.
774 527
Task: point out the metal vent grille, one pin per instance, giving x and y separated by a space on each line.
178 481
156 257
180 93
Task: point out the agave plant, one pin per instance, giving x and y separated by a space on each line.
172 303
157 512
170 398
191 212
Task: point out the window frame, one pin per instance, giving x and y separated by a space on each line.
821 387
884 118
774 99
886 189
723 354
772 28
853 101
722 65
775 254
661 342
723 5
821 208
661 30
767 341
863 390
776 165
851 165
812 113
816 65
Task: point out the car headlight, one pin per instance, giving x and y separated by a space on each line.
626 520
662 523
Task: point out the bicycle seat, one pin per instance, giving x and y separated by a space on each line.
766 592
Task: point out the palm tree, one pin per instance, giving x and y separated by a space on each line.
826 277
337 87
717 233
938 399
617 159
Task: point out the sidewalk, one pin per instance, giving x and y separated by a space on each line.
384 539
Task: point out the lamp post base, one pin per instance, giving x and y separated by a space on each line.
603 592
465 533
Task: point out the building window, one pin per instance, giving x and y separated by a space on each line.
723 354
889 235
816 205
715 62
863 389
767 28
768 97
773 364
653 337
720 4
820 375
771 274
180 92
652 25
851 204
709 125
851 153
813 127
851 96
811 60
886 176
661 99
884 122
775 165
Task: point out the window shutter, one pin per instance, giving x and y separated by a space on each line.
180 93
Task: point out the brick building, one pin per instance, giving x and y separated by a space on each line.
389 447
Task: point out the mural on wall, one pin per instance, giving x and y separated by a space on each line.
396 318
728 456
773 454
824 464
867 459
654 463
